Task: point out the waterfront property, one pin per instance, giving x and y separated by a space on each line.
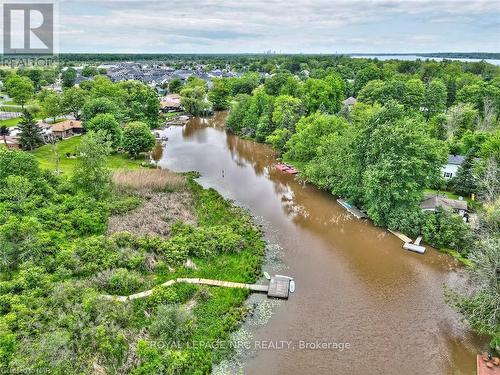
433 202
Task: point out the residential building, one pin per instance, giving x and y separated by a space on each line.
449 170
67 128
432 202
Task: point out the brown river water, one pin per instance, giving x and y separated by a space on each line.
355 283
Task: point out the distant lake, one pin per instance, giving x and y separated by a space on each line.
415 57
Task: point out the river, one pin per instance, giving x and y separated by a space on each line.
423 58
355 283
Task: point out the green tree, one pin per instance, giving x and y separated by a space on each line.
4 133
175 86
106 123
325 94
363 76
287 112
91 173
436 95
414 94
137 138
398 160
278 139
141 103
68 77
373 92
194 100
459 119
465 183
34 74
95 106
219 94
17 163
51 105
30 135
72 101
89 71
245 84
479 303
282 83
19 88
303 145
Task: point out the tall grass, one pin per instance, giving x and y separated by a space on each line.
149 180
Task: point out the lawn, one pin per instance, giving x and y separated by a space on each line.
45 156
10 123
448 194
10 108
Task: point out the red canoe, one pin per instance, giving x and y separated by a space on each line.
487 367
282 167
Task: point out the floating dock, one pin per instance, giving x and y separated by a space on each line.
279 287
352 209
408 242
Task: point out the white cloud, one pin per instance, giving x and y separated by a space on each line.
289 26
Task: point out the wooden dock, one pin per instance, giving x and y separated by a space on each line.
352 209
278 287
401 236
408 242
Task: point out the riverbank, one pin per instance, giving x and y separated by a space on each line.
154 225
221 244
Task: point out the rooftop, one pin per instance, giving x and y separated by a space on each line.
432 202
66 125
456 159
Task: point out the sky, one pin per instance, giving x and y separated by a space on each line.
283 26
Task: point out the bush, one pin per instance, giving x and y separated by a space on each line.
446 230
171 324
137 138
119 281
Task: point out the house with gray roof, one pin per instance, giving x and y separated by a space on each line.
449 170
432 202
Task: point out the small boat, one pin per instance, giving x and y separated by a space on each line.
292 286
282 167
267 276
286 168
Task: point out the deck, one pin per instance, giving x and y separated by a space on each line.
352 209
279 287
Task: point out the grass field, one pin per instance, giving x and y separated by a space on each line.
45 156
10 108
10 123
448 194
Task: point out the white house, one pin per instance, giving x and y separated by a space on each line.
449 170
